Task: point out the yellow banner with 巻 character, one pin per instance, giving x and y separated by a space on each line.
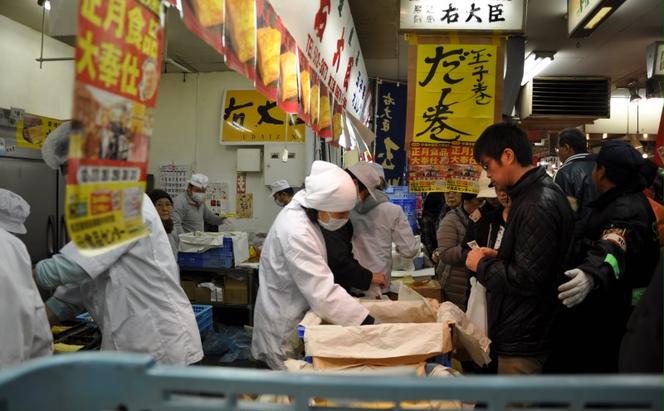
455 92
248 117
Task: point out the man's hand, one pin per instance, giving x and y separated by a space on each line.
476 254
379 280
435 256
575 290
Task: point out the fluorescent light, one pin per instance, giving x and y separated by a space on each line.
597 18
47 5
587 136
534 64
645 135
604 136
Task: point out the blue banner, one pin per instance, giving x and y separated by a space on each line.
391 130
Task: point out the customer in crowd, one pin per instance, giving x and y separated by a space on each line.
522 275
24 329
190 212
282 192
431 208
451 270
164 204
294 276
574 177
620 252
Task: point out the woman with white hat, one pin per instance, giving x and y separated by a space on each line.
293 272
24 329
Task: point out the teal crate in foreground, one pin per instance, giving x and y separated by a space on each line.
203 316
121 381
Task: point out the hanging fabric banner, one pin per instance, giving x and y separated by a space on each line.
205 18
240 37
268 45
118 64
288 62
391 130
304 102
250 118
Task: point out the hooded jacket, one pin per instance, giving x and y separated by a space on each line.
522 279
377 224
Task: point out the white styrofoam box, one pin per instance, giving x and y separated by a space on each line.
249 159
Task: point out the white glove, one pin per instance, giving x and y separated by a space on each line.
575 290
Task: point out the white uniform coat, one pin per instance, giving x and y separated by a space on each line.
24 329
376 227
294 277
135 297
187 217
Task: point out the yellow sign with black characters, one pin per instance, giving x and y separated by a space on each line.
455 92
248 117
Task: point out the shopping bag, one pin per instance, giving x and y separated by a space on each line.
476 311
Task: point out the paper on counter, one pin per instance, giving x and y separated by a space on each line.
424 272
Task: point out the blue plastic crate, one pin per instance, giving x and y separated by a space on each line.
203 316
219 257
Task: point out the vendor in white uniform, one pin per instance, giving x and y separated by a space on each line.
190 211
24 329
132 291
293 273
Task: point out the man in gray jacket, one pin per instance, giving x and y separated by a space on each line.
190 211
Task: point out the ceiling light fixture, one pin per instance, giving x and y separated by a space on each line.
535 63
584 17
633 88
599 16
604 136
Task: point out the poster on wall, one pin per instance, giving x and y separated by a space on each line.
455 91
31 130
240 37
216 198
443 167
205 18
268 50
117 65
173 179
248 117
245 205
390 151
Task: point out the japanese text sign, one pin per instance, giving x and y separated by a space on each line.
118 61
443 167
391 130
250 118
462 15
455 91
325 32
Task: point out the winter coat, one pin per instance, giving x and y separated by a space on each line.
451 266
522 279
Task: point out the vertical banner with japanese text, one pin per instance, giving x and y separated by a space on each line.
391 130
118 65
455 94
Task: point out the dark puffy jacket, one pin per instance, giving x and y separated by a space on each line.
598 323
523 278
575 178
451 269
347 271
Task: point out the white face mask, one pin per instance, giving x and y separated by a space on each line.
278 202
198 197
334 224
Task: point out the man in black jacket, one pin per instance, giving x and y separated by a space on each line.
523 273
621 250
574 177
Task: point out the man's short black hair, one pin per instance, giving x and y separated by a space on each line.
498 137
288 191
574 138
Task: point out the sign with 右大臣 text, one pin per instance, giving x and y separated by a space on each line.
461 15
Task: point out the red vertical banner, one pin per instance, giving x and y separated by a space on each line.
268 50
337 125
325 114
658 145
240 37
118 64
288 61
315 102
304 81
205 18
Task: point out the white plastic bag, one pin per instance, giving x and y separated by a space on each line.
476 311
199 242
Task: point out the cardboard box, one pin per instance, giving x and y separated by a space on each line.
189 288
235 291
428 289
202 295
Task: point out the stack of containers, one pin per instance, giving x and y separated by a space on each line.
400 196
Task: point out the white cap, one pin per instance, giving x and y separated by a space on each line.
199 180
55 150
13 211
378 169
279 185
486 191
366 173
329 188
